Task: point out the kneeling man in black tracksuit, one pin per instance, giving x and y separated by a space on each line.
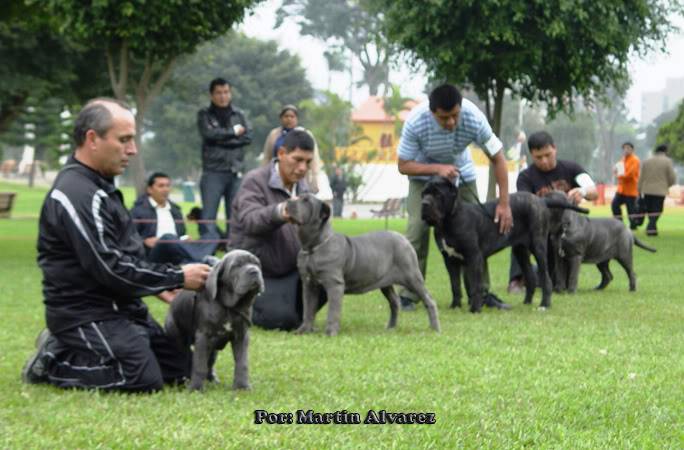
100 333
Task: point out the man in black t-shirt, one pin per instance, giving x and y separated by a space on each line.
549 174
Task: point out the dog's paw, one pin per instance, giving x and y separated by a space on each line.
304 329
455 303
330 331
196 387
241 386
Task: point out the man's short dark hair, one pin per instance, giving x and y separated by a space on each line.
217 82
539 140
662 148
445 97
95 116
153 178
629 144
298 139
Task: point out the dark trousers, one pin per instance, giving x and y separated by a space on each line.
213 187
280 305
654 207
338 204
630 202
183 252
115 355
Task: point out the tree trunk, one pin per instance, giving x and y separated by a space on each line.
496 128
9 112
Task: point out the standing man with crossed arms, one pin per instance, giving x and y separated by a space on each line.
434 141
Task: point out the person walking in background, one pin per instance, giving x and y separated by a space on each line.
657 175
289 120
627 173
225 133
338 184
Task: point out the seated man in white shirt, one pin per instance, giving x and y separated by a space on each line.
159 222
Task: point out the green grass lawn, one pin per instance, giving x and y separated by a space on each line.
597 370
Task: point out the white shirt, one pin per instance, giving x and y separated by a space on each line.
165 221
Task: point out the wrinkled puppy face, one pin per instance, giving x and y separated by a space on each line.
438 199
236 277
308 211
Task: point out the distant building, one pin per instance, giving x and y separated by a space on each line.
654 104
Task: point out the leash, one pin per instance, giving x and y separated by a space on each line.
477 199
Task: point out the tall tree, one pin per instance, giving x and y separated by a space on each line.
542 50
142 41
37 62
263 77
672 134
345 24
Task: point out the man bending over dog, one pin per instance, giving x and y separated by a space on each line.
260 224
547 174
100 333
434 141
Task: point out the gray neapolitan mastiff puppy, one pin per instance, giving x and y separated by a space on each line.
219 313
596 241
466 234
351 265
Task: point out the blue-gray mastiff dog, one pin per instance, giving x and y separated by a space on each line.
219 313
466 235
351 265
595 241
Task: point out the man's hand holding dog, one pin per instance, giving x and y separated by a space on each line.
195 275
446 170
504 217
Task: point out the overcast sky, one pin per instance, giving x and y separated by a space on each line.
648 74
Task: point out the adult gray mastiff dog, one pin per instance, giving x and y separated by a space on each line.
466 235
219 313
351 265
595 241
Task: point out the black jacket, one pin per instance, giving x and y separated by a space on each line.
142 209
222 150
91 254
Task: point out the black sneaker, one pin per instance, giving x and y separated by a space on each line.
407 304
492 301
34 371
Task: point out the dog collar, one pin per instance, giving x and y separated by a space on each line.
316 247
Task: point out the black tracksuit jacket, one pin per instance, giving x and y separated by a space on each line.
91 255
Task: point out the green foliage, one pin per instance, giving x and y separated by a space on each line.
37 62
543 50
156 30
142 41
345 25
263 79
42 127
599 370
672 134
329 119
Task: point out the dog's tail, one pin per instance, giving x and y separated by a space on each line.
638 243
564 204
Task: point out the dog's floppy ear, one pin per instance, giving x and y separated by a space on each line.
325 212
211 285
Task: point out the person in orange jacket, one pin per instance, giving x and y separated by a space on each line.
627 173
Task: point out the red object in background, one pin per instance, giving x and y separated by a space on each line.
601 191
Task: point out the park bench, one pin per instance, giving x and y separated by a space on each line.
6 202
392 207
